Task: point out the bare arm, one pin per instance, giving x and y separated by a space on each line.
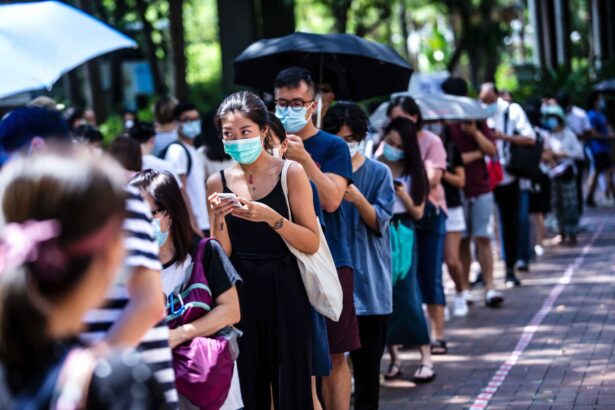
225 313
217 213
366 211
331 187
457 178
471 156
485 145
434 175
145 308
415 211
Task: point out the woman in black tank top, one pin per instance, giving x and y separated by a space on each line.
250 218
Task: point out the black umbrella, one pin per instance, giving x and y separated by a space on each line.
606 86
362 69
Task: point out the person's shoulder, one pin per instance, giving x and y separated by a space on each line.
375 166
578 111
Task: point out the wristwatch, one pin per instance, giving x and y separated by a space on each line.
278 225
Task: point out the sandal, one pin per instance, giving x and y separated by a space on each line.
438 347
422 380
394 372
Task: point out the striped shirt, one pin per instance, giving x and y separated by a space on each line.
141 251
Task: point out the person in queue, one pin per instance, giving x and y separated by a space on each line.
475 141
327 163
277 144
565 149
56 266
511 126
368 209
178 246
165 124
407 325
431 229
251 220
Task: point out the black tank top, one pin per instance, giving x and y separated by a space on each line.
256 240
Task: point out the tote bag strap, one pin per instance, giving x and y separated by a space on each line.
284 179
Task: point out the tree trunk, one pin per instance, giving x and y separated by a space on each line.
150 48
340 14
403 22
178 56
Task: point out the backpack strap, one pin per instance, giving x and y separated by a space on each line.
163 153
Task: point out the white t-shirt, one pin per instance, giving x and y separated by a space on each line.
565 142
175 275
578 121
518 124
159 164
195 181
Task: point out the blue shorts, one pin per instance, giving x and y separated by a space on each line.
430 252
321 359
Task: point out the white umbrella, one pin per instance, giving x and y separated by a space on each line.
41 41
436 107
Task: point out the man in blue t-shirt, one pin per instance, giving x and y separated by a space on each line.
598 147
327 162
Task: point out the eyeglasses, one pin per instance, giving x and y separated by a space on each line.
158 211
296 104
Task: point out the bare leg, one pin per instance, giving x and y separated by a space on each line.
394 353
426 355
315 400
485 260
466 261
337 387
538 220
592 182
436 317
451 258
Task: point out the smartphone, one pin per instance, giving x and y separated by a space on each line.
232 196
397 182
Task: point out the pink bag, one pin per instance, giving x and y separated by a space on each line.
203 366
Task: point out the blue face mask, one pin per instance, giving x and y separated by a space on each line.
393 154
292 120
191 129
244 151
161 237
551 123
492 108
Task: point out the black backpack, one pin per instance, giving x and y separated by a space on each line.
163 153
523 160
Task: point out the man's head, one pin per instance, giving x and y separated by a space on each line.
188 120
295 98
144 134
488 93
455 86
163 110
19 128
563 100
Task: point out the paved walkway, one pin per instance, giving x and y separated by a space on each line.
549 347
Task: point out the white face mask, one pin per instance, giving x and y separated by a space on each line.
355 147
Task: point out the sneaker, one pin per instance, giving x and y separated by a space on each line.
539 250
512 281
493 298
460 306
469 297
523 266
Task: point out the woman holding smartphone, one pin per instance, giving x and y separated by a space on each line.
275 348
407 325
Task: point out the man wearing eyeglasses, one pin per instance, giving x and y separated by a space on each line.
327 162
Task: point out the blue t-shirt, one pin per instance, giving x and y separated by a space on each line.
599 123
331 155
371 251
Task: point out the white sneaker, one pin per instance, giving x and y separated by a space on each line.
493 298
469 297
539 250
460 306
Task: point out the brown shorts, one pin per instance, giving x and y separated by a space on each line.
344 334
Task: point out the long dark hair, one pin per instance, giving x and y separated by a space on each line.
85 195
276 129
413 162
164 189
409 106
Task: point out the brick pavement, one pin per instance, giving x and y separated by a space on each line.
569 362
